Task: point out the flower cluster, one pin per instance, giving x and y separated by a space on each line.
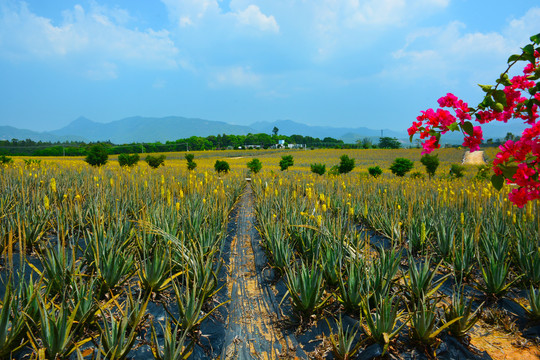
519 161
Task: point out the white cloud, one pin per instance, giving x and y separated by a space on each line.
238 76
188 13
438 52
98 35
252 16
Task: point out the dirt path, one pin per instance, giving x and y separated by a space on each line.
251 327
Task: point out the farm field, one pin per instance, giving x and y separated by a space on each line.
167 263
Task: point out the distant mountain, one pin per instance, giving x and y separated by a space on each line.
10 133
147 129
289 127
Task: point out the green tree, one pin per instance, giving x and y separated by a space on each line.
346 164
401 166
275 131
221 166
319 169
389 143
254 165
128 160
155 161
375 171
191 165
97 155
457 170
286 162
431 162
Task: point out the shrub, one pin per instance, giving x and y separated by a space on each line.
334 171
375 171
191 165
483 173
401 166
431 162
155 161
285 162
128 160
417 175
346 164
254 165
457 170
4 160
318 168
97 155
221 166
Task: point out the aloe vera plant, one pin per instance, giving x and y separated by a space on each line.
189 301
305 287
59 331
445 236
353 285
420 279
528 257
461 310
425 320
382 272
12 324
83 293
463 256
495 266
343 343
534 304
382 320
59 268
332 257
154 269
174 343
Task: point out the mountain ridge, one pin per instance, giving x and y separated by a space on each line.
137 129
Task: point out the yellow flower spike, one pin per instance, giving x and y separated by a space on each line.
462 218
323 207
46 202
204 201
53 185
351 211
319 220
112 182
514 219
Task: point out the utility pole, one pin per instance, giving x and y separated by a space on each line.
142 148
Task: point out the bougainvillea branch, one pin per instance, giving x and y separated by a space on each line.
518 162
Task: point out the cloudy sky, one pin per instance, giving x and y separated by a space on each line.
373 63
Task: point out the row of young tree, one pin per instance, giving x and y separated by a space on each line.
29 147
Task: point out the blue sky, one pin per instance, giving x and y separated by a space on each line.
373 63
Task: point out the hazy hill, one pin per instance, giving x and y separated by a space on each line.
9 133
289 127
147 129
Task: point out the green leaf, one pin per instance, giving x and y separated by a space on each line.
535 39
500 97
411 137
513 58
509 171
499 107
453 127
529 49
497 181
486 88
468 128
